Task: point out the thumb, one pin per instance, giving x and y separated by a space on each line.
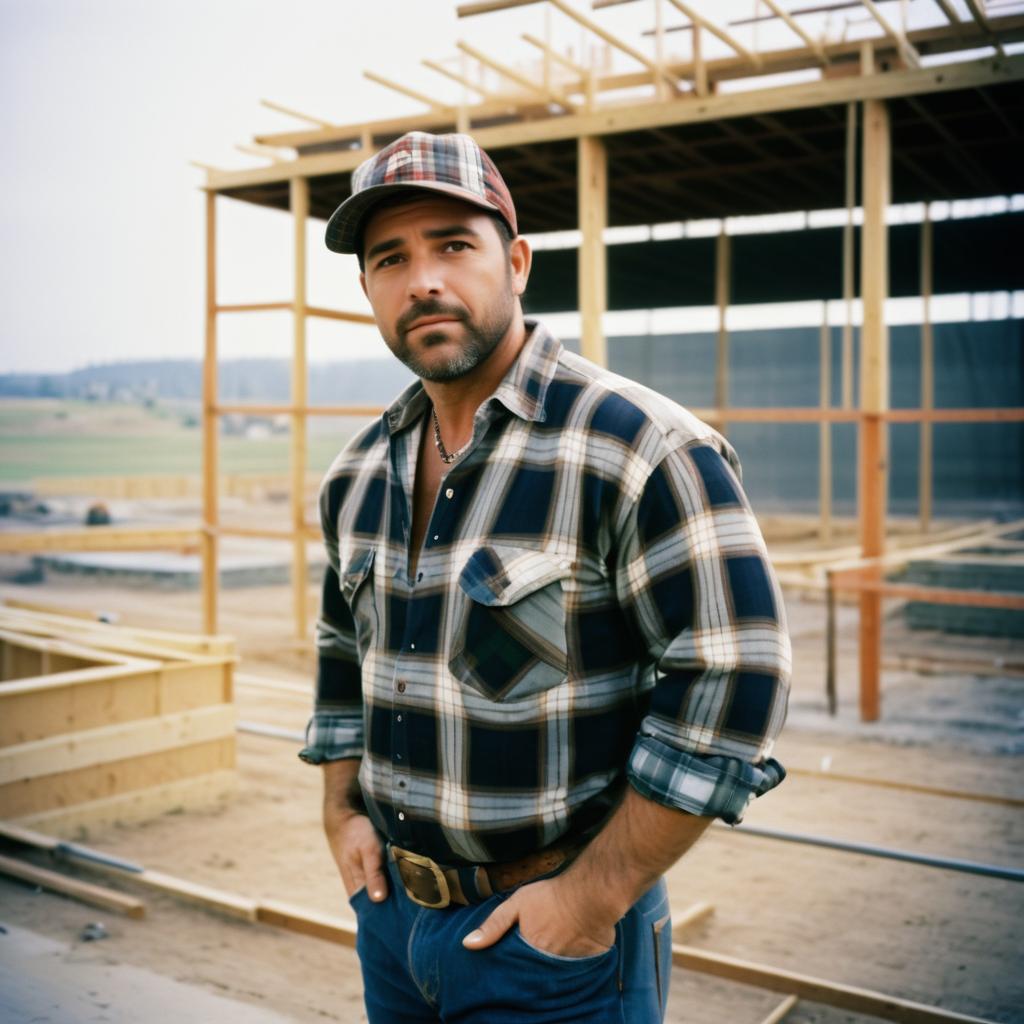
373 869
501 919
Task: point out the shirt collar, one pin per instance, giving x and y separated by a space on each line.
521 391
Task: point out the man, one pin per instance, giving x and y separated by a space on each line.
552 649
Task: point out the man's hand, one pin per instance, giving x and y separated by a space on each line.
353 840
553 916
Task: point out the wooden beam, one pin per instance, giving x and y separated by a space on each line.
341 314
874 389
850 178
647 115
613 40
817 990
261 151
487 6
405 90
307 922
299 195
558 58
927 374
825 428
795 26
906 50
210 580
524 81
723 277
318 121
983 23
782 1011
592 200
694 915
103 538
700 21
468 83
85 892
948 11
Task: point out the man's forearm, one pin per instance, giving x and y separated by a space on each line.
342 795
639 842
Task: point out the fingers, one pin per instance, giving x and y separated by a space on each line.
501 919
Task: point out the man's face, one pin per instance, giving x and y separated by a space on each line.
442 286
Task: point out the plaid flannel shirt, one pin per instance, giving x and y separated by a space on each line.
593 604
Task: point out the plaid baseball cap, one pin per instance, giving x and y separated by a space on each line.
450 164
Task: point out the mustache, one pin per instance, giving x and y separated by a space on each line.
429 307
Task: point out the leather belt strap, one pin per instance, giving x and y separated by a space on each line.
435 886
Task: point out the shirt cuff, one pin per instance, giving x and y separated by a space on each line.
331 737
710 785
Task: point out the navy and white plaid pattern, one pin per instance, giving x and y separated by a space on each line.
593 604
450 164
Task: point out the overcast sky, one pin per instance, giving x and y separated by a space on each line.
106 101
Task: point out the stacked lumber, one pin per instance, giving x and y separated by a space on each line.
100 722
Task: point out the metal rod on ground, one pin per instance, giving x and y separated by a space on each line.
274 731
952 864
830 644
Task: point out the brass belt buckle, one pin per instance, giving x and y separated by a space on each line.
423 879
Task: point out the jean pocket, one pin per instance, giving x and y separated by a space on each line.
356 900
510 640
591 960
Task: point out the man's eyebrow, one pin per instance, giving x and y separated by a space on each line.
449 231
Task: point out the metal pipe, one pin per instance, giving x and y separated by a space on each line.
952 864
274 731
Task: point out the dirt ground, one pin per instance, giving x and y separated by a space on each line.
946 938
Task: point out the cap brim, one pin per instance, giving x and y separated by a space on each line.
344 227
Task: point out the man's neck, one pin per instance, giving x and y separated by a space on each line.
457 401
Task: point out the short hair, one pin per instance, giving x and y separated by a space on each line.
410 195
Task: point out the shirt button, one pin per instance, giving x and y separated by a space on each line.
401 815
401 783
450 493
412 647
398 718
401 687
436 536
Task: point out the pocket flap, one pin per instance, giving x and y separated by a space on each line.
355 572
498 576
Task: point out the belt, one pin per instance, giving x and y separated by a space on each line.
435 886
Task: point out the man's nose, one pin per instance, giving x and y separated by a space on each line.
424 279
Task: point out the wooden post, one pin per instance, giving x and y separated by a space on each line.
210 425
825 430
722 276
592 197
700 70
846 381
927 372
874 389
299 448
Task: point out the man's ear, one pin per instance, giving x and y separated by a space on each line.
521 259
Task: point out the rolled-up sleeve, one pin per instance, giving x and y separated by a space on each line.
335 730
695 579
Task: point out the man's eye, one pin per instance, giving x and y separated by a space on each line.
457 246
389 260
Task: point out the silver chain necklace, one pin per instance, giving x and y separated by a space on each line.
446 457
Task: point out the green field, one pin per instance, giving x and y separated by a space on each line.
51 437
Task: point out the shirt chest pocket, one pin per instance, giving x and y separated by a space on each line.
510 639
357 588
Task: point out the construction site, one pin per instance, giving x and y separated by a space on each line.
799 224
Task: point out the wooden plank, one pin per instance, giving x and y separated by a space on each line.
722 289
405 90
906 50
682 110
874 390
825 429
850 185
252 409
524 81
694 915
797 28
307 922
291 112
85 892
100 538
73 701
184 687
927 374
66 789
89 747
340 314
818 990
299 450
193 793
592 200
726 37
237 906
782 1011
210 576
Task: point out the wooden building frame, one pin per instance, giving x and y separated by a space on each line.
574 104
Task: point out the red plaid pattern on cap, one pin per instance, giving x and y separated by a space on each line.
450 164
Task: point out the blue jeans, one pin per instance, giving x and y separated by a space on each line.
416 970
